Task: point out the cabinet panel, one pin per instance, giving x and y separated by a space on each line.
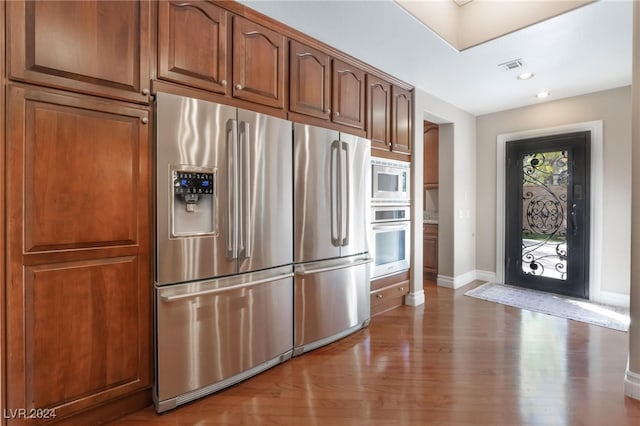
348 95
379 112
81 319
401 128
192 44
258 63
81 177
430 250
78 311
96 47
310 81
430 141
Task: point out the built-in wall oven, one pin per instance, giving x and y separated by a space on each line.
389 182
390 239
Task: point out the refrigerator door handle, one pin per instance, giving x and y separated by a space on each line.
176 297
245 212
334 177
344 235
333 268
232 184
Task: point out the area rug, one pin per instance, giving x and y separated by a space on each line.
613 317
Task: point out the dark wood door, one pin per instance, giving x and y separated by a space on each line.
310 81
78 251
430 141
348 95
547 211
258 63
401 120
379 113
430 250
193 44
94 47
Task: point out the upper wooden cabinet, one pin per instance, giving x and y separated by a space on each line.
310 81
430 142
258 63
348 95
379 113
193 44
326 88
94 47
401 120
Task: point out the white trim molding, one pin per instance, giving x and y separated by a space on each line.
458 281
414 299
632 384
487 276
595 211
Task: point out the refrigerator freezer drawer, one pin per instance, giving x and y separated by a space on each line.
331 300
216 333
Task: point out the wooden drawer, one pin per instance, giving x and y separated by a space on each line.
395 291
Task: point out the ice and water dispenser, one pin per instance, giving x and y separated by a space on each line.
192 203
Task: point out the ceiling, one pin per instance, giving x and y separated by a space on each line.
582 51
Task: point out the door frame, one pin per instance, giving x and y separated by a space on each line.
595 209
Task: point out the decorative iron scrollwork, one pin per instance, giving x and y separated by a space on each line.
544 197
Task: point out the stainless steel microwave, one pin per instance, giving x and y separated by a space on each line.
390 181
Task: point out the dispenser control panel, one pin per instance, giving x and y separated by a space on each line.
192 183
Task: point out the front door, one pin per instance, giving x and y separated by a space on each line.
547 211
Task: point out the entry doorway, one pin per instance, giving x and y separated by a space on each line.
547 202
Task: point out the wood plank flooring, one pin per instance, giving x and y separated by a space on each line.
454 361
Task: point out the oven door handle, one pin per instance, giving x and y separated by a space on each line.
390 227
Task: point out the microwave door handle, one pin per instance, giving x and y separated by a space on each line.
389 227
232 137
347 184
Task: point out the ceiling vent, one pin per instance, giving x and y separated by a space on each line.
511 65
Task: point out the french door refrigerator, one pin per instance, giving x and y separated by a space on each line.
331 250
224 227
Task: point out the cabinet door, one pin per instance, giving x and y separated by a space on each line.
192 44
401 129
310 81
430 253
348 95
95 47
379 112
258 63
430 141
78 279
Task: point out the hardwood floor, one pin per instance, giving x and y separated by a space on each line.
454 361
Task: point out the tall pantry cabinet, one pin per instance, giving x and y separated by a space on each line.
78 212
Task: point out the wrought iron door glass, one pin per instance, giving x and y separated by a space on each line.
544 207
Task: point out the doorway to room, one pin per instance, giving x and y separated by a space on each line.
547 201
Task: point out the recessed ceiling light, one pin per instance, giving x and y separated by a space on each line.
526 76
543 95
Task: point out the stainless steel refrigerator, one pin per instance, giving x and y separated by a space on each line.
331 250
224 226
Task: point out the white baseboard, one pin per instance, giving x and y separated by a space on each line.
610 298
456 282
632 384
414 299
487 276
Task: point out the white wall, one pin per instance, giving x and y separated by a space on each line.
457 191
611 106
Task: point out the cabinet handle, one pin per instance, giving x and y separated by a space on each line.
401 289
145 92
329 111
223 82
379 296
337 113
239 86
144 120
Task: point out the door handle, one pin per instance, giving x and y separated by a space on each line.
232 184
246 182
303 271
335 195
347 183
574 220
